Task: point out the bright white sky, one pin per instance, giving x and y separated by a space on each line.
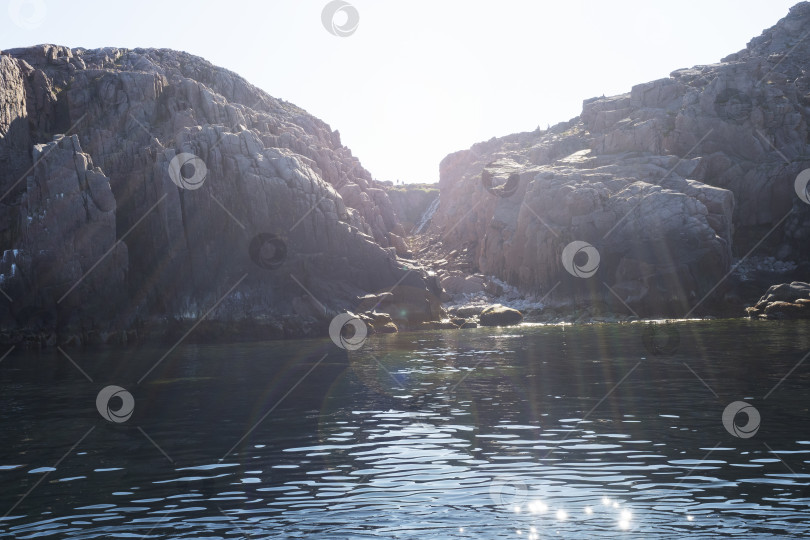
420 78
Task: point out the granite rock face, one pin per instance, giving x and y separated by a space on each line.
67 228
668 183
141 186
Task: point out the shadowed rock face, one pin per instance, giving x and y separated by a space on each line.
667 182
783 301
169 169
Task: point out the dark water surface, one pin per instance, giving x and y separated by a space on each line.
526 432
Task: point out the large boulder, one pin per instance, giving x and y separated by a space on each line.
783 301
498 315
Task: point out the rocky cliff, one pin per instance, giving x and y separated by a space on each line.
644 201
144 190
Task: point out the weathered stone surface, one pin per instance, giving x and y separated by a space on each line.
498 315
466 311
788 310
786 292
379 323
398 243
668 182
783 301
67 267
271 171
370 302
457 283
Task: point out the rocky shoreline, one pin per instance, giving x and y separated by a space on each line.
149 194
146 190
